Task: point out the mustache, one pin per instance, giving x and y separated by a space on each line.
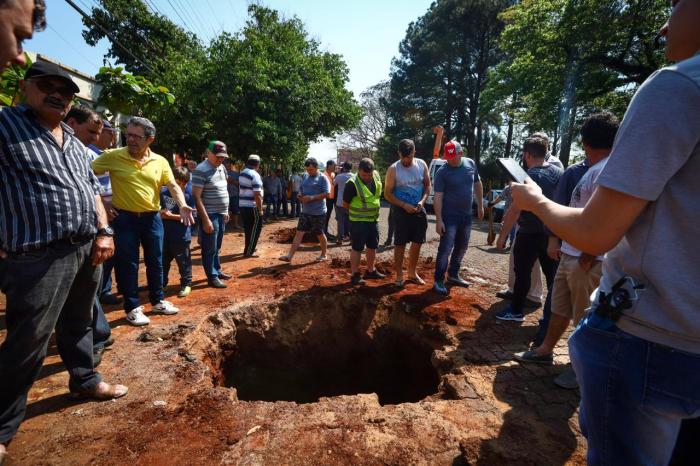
54 101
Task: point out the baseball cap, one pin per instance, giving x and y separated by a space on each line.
452 149
254 158
218 148
44 69
106 125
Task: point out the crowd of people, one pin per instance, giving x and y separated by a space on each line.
612 236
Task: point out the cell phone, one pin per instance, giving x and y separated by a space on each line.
513 169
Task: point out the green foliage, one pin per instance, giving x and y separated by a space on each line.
268 90
131 95
10 93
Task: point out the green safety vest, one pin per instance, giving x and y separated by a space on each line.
365 206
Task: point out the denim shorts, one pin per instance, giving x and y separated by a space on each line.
313 223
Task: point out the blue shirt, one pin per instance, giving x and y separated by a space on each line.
232 188
457 186
174 230
250 183
311 186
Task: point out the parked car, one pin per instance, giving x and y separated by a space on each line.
432 170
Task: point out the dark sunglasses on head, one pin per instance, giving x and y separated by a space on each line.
47 87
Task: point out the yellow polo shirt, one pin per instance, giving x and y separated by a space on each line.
135 186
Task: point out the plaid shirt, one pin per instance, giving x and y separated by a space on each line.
47 193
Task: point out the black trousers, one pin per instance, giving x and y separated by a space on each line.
53 287
528 248
329 210
252 225
180 251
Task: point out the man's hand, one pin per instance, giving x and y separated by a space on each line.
187 215
102 249
480 211
440 227
3 254
208 227
408 208
526 195
419 207
586 261
554 251
306 199
227 217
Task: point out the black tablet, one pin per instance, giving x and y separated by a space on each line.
513 169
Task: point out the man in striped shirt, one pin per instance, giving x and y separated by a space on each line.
250 201
53 236
210 191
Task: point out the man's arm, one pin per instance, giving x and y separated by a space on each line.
257 195
509 220
426 188
596 228
437 207
479 192
186 212
207 226
102 246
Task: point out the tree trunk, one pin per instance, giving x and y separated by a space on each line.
567 137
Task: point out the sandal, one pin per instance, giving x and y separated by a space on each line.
321 258
285 258
400 283
102 392
417 280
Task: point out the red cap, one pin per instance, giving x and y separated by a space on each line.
452 149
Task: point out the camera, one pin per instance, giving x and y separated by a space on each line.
621 297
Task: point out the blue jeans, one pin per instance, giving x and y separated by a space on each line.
211 245
107 267
295 205
634 394
130 231
453 246
342 218
272 205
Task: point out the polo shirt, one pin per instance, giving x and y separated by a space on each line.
135 187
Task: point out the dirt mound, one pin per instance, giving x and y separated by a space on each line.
286 236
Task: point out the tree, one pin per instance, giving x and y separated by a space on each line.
10 93
128 94
368 134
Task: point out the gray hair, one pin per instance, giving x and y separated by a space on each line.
149 128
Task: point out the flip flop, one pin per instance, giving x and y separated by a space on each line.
321 258
416 280
285 259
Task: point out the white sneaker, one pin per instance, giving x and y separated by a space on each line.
165 307
137 318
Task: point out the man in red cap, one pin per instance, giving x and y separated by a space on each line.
455 182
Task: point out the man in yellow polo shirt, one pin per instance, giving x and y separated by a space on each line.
137 175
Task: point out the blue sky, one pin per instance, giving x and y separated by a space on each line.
366 32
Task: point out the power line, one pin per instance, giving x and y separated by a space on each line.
193 14
181 17
71 45
109 34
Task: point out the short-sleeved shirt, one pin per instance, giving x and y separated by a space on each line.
580 196
214 184
135 187
340 182
47 192
233 188
547 177
174 229
311 186
250 183
656 157
457 186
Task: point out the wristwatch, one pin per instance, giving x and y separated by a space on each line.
106 231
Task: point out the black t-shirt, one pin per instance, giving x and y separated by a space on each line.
547 178
350 190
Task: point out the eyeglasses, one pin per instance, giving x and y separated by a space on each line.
47 87
136 136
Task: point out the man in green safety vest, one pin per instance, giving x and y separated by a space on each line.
362 197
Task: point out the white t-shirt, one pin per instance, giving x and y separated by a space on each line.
581 195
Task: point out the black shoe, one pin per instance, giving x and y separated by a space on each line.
356 279
225 276
109 341
374 274
110 298
505 294
143 288
251 255
216 283
530 304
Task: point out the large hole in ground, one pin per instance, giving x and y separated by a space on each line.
325 347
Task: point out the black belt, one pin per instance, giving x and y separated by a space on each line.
136 214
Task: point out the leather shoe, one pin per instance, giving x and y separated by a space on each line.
225 276
102 392
110 299
216 283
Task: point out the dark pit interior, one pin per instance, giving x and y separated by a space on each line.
338 350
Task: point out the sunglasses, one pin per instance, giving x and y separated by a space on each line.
136 136
47 87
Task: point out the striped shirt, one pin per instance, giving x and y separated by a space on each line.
47 193
250 183
214 183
